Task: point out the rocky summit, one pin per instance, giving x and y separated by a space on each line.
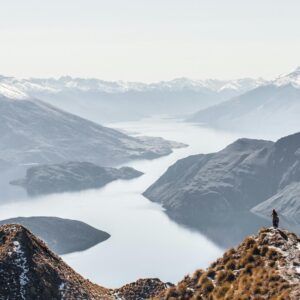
264 266
29 270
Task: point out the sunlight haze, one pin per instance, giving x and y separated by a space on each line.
149 40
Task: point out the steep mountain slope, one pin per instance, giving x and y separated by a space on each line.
236 179
103 101
71 176
273 108
61 235
265 266
33 132
29 270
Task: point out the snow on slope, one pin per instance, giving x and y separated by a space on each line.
52 85
292 78
19 88
10 90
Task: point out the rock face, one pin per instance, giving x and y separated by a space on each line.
236 179
71 176
33 132
265 266
29 270
61 235
266 107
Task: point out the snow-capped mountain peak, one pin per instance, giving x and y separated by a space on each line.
10 90
292 78
21 88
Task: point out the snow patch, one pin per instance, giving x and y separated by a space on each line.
21 262
292 78
62 288
10 91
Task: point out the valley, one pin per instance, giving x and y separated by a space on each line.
143 238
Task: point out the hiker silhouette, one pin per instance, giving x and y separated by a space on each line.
275 218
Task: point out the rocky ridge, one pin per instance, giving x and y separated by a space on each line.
263 266
29 270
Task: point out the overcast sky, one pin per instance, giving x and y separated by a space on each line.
149 40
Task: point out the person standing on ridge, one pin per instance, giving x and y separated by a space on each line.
275 218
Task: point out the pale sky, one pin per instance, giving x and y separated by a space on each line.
151 40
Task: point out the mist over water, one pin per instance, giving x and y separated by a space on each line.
144 241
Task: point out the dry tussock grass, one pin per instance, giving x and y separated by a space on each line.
248 272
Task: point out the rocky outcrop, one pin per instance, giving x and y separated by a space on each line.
70 177
264 266
29 270
236 179
142 289
61 235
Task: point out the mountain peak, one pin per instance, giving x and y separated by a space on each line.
292 78
29 270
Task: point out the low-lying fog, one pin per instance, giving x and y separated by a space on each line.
144 241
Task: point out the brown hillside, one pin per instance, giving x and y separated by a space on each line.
265 266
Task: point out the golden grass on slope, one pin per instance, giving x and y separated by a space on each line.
251 271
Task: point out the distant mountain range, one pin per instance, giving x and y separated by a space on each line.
104 101
271 109
247 175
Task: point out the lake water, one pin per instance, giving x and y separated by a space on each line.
144 241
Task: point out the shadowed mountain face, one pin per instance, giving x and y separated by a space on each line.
71 177
33 132
62 235
248 174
